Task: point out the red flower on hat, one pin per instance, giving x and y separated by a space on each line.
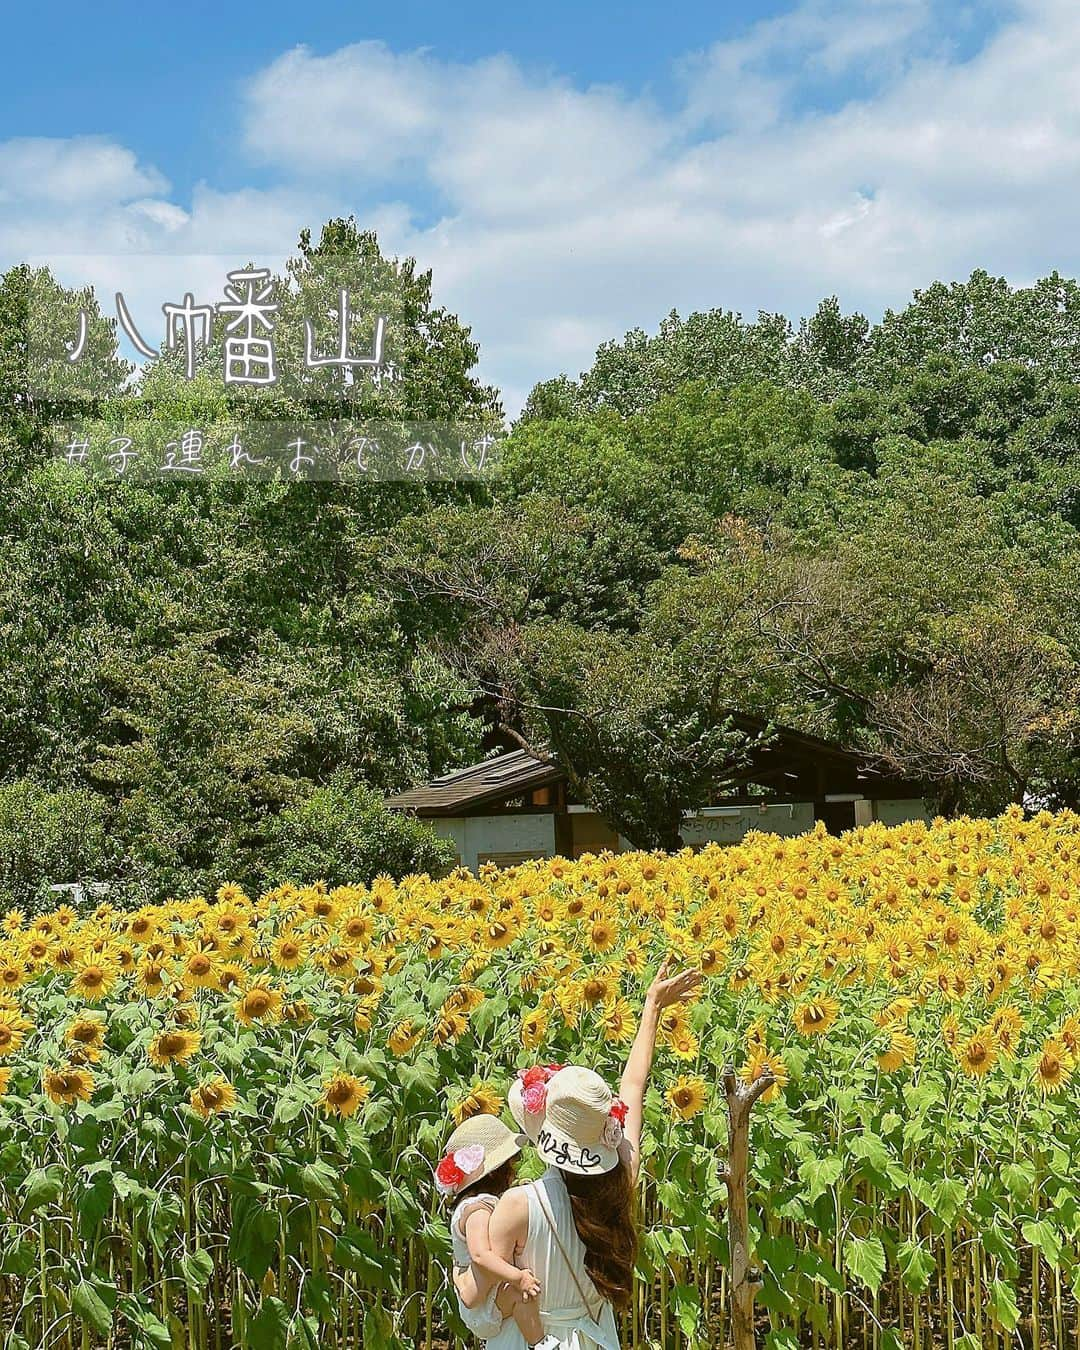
448 1174
538 1074
618 1110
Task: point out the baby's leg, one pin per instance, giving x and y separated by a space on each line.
466 1286
525 1314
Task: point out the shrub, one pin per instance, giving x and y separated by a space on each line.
343 834
48 838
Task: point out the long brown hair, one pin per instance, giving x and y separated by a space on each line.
605 1216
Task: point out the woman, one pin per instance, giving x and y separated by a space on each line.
576 1228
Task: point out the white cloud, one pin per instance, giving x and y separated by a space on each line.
73 172
556 215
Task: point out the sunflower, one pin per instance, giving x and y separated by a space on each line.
94 978
1054 1068
978 1054
231 977
344 1094
814 1019
619 1023
1007 1024
13 1029
151 978
142 926
602 935
213 1096
404 1037
534 1028
673 1022
481 1100
357 928
364 1014
684 1045
88 1035
200 970
598 987
451 1026
900 1051
260 1003
289 951
68 1085
759 1061
175 1046
297 1013
897 1011
686 1097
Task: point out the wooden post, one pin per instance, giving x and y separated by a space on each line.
745 1280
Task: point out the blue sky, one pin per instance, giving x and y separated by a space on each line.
567 170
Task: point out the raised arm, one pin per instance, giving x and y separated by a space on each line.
665 990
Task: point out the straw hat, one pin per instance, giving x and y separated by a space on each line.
478 1147
579 1133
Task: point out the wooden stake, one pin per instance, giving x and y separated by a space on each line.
745 1280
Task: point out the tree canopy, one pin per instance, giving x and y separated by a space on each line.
865 530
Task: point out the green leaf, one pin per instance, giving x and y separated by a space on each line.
781 1340
319 1298
1019 1178
948 1198
818 1174
1044 1237
289 1105
148 1332
197 1267
41 1188
865 1259
320 1181
269 1328
916 1264
1003 1305
88 1305
873 1149
164 1218
687 1309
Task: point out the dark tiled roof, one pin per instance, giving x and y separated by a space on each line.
792 763
495 779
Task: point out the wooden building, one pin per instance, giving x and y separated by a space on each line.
513 806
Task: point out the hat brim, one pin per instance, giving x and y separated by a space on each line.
583 1160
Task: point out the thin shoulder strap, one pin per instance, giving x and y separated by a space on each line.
558 1242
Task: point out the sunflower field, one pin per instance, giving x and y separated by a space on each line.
220 1115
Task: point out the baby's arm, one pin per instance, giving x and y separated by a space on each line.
478 1237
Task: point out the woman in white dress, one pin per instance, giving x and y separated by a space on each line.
576 1228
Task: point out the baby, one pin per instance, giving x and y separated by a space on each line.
479 1165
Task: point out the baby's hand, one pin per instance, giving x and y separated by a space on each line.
528 1285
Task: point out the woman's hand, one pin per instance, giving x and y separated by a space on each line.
667 989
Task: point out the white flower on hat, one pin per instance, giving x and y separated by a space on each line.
470 1158
612 1136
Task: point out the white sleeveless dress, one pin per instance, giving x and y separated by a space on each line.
563 1312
